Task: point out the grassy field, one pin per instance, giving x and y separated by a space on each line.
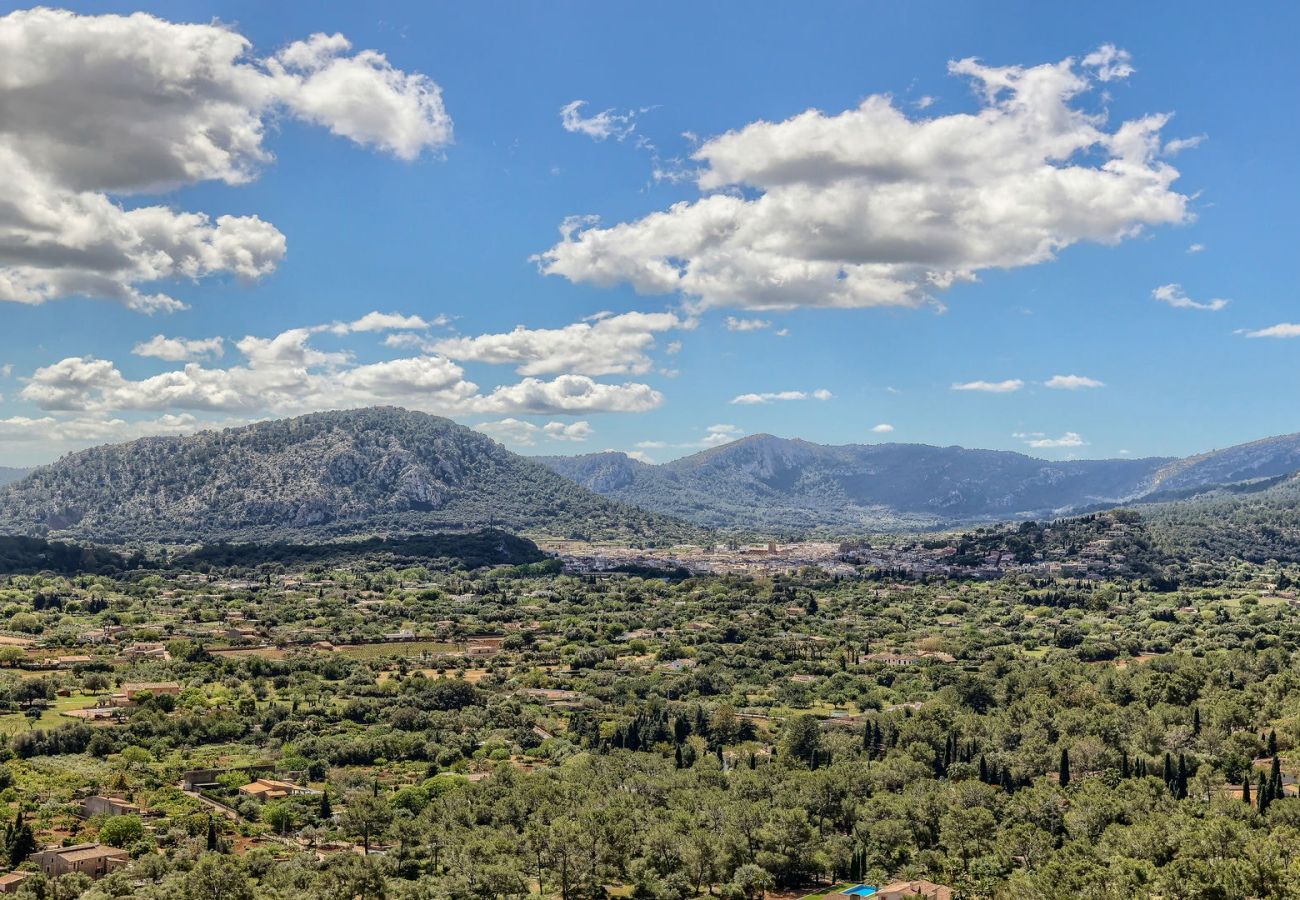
51 717
830 889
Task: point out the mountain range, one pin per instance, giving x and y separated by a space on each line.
390 471
791 486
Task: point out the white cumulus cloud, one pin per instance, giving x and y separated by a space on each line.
603 345
871 207
883 428
98 110
525 434
286 374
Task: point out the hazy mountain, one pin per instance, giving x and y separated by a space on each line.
363 471
764 482
9 474
1259 459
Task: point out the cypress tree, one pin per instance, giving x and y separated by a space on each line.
1245 788
1272 743
19 842
1275 781
1261 793
1196 720
214 842
1169 771
1181 784
326 812
1123 766
1065 768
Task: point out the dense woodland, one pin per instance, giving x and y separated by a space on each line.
515 731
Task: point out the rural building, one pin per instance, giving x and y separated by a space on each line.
10 881
264 789
95 860
107 806
150 650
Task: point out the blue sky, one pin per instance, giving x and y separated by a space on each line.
441 210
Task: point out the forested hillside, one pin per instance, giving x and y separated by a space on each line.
1244 522
364 471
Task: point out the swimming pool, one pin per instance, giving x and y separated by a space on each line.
862 890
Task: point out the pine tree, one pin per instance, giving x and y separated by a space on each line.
1065 768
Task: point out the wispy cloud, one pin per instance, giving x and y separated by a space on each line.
774 396
1174 296
180 349
1178 145
1039 441
1072 382
990 387
601 126
1281 330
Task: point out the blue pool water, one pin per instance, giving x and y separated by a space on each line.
862 890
